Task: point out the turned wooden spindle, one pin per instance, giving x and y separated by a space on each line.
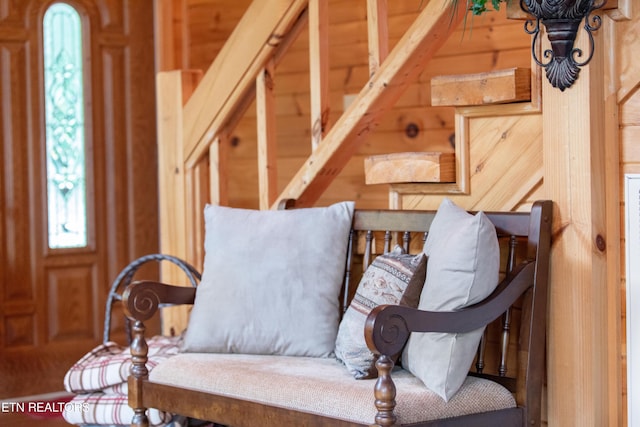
139 372
385 393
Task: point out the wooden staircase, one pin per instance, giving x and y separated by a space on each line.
505 105
197 114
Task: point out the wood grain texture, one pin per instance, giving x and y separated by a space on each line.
266 131
51 300
173 88
494 87
498 160
627 34
377 33
421 41
575 173
248 48
409 167
319 70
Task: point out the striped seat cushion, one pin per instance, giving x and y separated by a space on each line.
110 410
108 364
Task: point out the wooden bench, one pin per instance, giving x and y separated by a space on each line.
512 352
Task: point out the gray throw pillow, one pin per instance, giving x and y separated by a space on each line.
271 281
464 262
392 278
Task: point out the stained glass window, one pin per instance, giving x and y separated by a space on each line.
64 117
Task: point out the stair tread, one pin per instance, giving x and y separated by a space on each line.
410 167
494 87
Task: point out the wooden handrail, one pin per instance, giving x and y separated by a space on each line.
400 68
194 139
253 51
231 77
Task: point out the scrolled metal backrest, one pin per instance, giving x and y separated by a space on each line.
125 277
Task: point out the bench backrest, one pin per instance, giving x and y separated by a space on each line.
512 351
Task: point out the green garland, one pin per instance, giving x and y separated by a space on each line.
478 7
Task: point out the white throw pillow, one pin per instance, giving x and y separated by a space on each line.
464 262
271 281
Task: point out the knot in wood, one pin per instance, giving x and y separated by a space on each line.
411 130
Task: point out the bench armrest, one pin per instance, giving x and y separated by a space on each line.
387 327
142 299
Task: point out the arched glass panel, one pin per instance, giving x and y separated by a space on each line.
64 117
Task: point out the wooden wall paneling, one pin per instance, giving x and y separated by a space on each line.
377 33
346 186
629 163
20 312
630 149
12 11
495 171
348 53
173 88
512 144
348 22
72 313
292 72
17 276
293 101
124 158
375 99
463 136
210 23
630 110
575 174
119 129
219 176
248 48
267 142
627 36
629 135
319 70
171 41
142 141
244 142
613 226
115 149
293 96
112 16
197 193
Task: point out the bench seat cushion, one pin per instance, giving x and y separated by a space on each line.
322 386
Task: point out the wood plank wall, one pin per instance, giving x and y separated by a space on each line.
493 43
488 43
627 34
630 150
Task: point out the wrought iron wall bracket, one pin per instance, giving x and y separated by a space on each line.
561 19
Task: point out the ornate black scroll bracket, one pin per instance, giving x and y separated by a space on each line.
562 19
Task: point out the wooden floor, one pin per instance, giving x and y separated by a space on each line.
20 420
15 412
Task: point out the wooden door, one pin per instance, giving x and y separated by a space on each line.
52 300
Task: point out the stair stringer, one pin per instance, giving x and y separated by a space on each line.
499 164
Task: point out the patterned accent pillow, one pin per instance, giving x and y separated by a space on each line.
392 278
